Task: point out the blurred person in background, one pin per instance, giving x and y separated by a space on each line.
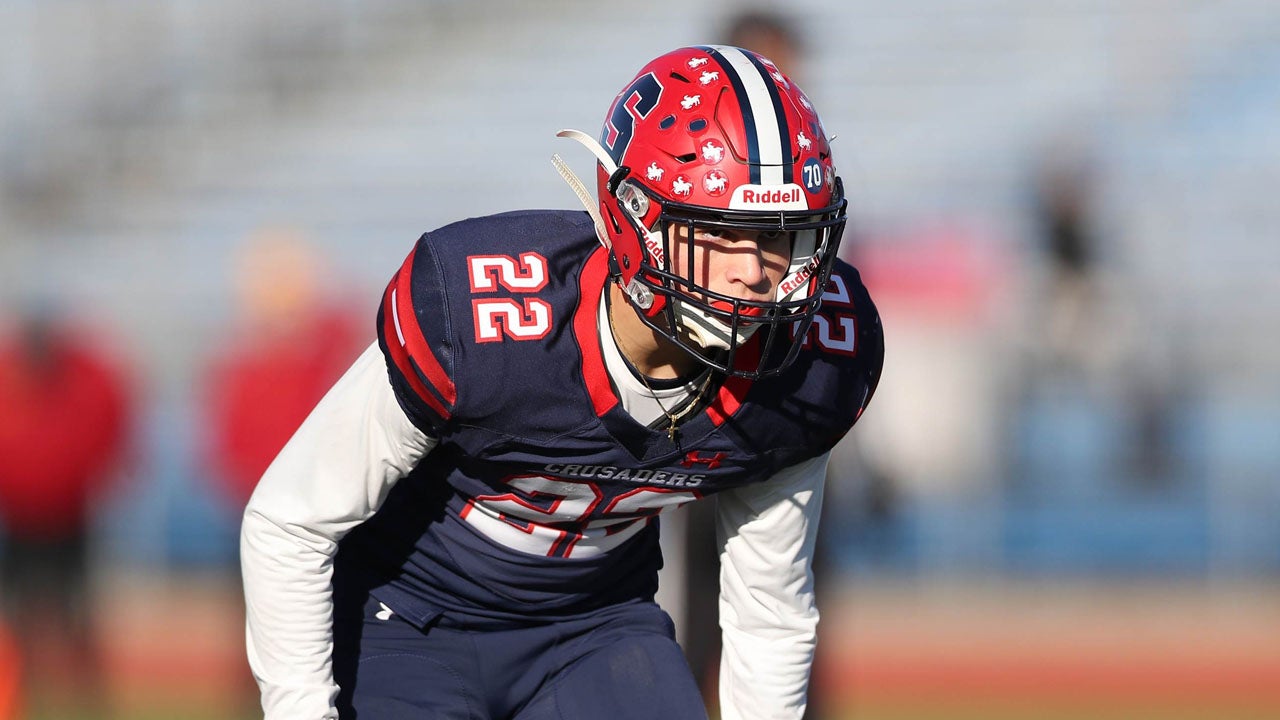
65 419
292 338
773 34
1124 357
1066 239
465 525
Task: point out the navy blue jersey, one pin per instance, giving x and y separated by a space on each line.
541 497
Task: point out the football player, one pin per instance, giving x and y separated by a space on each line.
466 526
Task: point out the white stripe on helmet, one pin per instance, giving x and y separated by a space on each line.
763 114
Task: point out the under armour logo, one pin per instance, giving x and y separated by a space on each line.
385 613
712 462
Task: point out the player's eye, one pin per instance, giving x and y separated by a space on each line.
774 240
712 235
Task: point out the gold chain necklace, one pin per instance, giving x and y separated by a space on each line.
694 401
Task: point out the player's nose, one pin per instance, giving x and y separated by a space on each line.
745 271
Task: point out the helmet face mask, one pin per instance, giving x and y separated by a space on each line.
717 140
713 326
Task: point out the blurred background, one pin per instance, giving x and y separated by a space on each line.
1062 503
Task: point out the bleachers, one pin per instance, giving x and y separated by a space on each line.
145 144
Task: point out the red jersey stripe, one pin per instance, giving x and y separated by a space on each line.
414 355
400 355
734 390
586 330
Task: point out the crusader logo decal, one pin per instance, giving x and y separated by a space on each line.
715 183
712 152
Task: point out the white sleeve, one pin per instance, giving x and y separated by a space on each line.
767 533
331 476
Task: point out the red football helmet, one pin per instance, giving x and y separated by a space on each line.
717 138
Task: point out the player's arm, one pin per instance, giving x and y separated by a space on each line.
332 475
767 532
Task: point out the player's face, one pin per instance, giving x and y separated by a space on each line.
742 264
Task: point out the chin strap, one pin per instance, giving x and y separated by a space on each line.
639 294
590 143
576 184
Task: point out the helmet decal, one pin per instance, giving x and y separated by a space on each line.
712 152
715 183
813 176
636 103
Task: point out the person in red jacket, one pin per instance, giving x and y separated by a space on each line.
292 338
64 427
